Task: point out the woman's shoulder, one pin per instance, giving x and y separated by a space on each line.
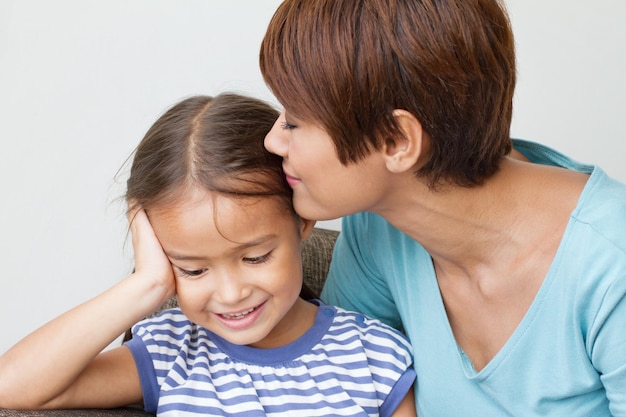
601 207
601 211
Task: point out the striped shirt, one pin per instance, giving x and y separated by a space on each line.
346 364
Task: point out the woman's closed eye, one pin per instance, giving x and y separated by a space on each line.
287 126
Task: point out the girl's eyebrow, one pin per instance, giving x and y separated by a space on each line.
239 247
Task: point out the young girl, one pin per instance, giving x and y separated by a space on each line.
212 222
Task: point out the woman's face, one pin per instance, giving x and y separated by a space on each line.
236 263
324 188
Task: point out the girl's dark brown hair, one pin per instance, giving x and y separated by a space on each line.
213 142
347 64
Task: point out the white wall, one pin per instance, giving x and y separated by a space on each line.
81 81
572 86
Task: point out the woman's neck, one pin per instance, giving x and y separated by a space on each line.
522 208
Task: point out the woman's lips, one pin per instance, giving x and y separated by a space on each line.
292 181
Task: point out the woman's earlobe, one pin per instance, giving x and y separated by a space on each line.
404 152
306 227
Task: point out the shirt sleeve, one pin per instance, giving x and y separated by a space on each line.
145 367
399 391
355 281
391 363
608 347
147 374
156 343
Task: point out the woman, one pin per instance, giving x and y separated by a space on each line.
503 261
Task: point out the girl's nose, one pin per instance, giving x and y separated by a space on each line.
276 141
231 290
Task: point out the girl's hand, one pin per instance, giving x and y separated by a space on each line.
151 263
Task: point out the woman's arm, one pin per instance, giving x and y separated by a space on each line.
60 365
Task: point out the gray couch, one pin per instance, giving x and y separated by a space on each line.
316 255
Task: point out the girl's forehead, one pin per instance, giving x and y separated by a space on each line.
219 202
228 213
210 225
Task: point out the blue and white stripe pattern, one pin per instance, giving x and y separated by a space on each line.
345 365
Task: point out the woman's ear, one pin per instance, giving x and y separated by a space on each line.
306 226
404 152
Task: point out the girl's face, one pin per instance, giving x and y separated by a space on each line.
324 188
241 277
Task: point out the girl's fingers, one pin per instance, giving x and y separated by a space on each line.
137 217
150 260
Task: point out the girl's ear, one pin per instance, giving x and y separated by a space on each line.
406 150
306 226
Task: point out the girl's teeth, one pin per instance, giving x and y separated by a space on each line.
238 315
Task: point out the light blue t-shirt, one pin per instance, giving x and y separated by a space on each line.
345 364
567 357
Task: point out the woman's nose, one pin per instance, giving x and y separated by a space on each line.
276 141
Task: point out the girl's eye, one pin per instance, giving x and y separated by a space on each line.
258 259
287 126
191 274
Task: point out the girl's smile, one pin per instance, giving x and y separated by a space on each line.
242 319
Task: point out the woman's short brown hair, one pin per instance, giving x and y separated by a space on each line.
347 64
